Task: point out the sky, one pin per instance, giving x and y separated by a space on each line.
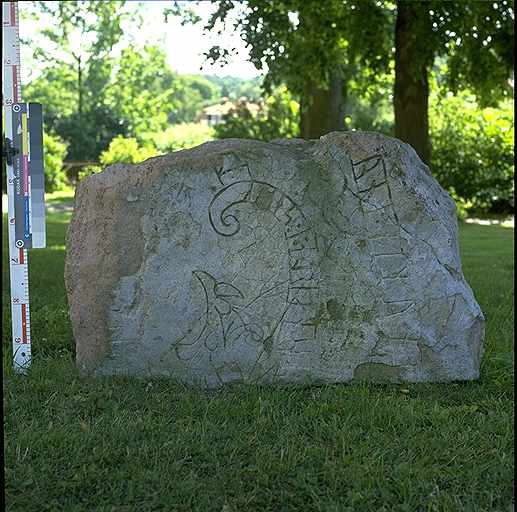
184 44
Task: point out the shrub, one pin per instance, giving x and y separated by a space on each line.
179 136
278 118
88 170
54 152
127 151
462 206
473 152
131 150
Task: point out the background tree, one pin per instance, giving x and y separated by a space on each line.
105 93
140 95
234 88
191 93
413 56
278 118
311 49
477 38
77 69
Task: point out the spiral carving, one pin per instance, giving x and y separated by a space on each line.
220 211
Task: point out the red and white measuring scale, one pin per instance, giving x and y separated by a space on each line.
24 166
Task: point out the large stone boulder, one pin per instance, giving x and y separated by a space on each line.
290 261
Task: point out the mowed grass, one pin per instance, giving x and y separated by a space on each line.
115 444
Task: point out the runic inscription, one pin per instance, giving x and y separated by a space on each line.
291 261
230 309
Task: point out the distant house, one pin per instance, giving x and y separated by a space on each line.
213 114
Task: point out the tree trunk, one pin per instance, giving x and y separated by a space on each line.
321 109
79 84
411 92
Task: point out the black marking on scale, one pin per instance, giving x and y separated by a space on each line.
23 153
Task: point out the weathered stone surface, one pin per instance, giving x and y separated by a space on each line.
290 261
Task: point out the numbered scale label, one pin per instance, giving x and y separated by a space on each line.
23 153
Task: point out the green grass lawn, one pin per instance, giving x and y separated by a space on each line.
114 444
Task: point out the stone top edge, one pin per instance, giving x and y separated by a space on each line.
357 141
289 143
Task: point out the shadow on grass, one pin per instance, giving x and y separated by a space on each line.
76 443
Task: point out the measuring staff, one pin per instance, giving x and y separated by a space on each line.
23 156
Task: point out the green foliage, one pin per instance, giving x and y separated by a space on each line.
81 34
179 136
140 95
314 51
187 15
478 39
278 118
88 103
191 93
131 150
94 95
77 69
462 206
234 88
299 41
54 151
473 151
55 90
88 170
127 151
146 95
368 106
86 132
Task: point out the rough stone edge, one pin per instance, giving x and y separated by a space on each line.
99 189
90 353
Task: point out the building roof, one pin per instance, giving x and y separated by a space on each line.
224 107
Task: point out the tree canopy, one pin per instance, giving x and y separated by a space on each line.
317 51
384 65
